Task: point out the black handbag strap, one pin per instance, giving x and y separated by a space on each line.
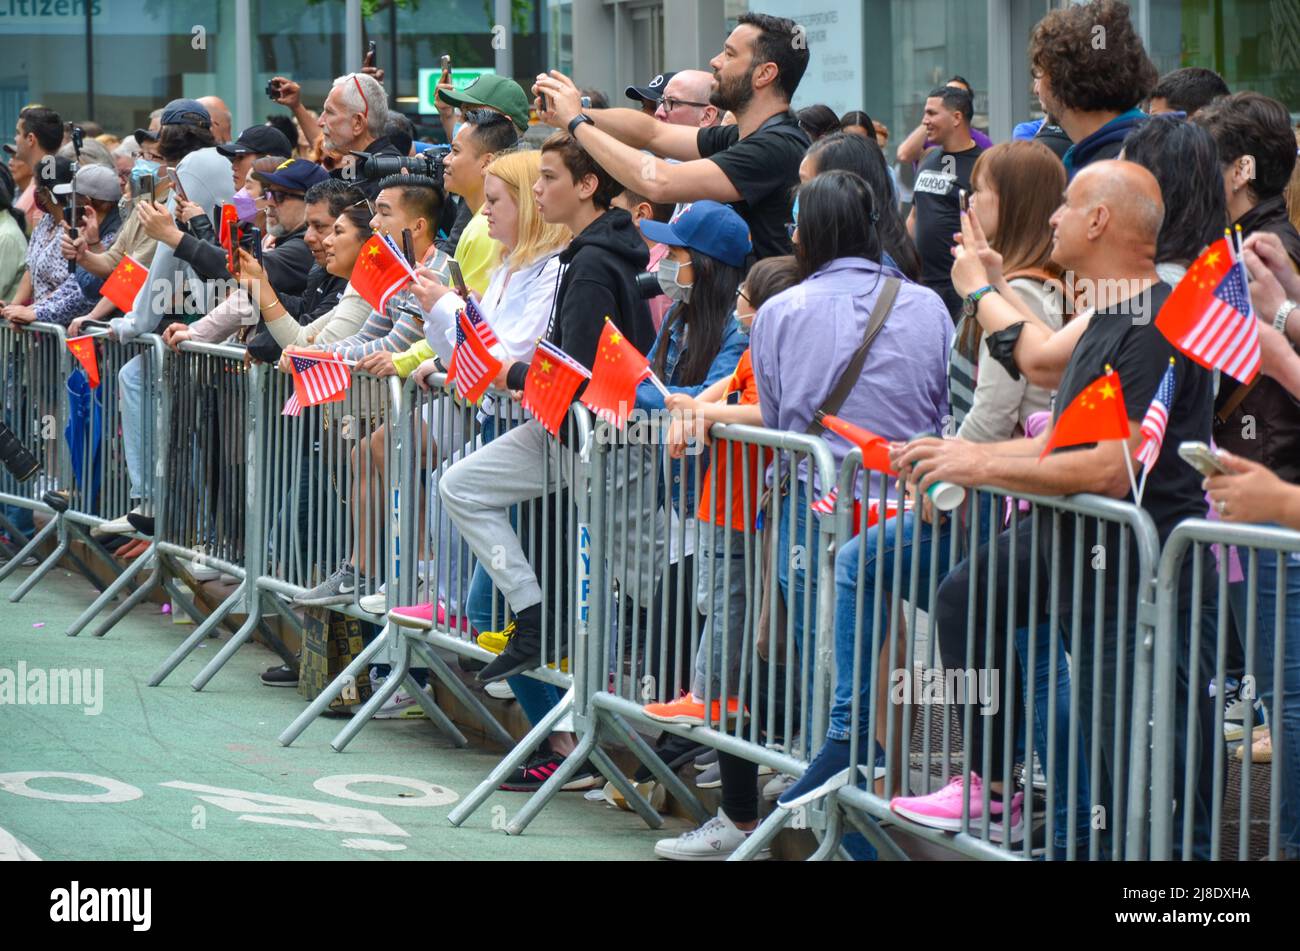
849 379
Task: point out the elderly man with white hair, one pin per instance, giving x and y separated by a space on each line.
353 120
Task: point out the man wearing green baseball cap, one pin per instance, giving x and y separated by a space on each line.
498 93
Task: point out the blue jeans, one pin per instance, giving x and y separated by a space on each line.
131 393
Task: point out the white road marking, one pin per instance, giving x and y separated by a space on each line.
17 783
373 845
266 808
11 850
432 795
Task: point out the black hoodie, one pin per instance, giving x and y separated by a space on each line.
598 281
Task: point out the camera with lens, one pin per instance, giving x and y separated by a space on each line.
430 163
16 457
647 285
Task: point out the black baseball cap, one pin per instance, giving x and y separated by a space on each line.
258 140
651 92
179 112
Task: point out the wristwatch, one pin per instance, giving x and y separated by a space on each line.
971 303
1283 312
578 120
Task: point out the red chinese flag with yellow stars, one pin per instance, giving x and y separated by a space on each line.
125 283
553 378
1096 415
83 348
378 273
615 373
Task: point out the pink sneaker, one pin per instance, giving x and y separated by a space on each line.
943 809
419 616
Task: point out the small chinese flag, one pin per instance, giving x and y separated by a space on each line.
1209 317
229 225
875 449
125 283
83 348
1096 415
617 369
379 273
553 378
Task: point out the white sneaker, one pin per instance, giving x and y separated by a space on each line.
714 841
376 603
776 786
499 689
401 706
118 526
201 571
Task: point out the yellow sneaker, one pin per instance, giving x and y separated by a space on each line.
495 641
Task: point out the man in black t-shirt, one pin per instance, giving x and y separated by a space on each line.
1106 234
752 166
942 174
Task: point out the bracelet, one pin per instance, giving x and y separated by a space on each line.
1283 312
578 120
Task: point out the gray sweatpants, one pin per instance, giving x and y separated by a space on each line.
479 490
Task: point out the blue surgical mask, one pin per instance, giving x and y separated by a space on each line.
143 167
744 327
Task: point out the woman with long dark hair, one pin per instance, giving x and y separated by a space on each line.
13 238
852 153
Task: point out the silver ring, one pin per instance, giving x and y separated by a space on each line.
1222 506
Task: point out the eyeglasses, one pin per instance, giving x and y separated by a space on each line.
741 295
364 101
669 103
364 201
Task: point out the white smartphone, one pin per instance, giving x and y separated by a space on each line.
1202 458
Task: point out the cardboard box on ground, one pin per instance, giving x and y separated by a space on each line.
330 642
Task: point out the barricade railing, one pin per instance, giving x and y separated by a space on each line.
679 601
34 363
113 441
1020 651
1219 583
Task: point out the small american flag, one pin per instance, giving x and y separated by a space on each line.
1156 419
475 366
317 379
826 504
291 406
1227 336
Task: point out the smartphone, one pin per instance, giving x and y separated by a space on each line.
963 198
272 90
176 184
1201 458
370 53
234 236
147 187
408 246
252 241
458 280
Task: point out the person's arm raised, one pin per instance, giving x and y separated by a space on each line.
913 147
631 127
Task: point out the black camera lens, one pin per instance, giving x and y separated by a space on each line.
374 167
17 458
647 285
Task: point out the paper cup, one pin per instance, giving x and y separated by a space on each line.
946 496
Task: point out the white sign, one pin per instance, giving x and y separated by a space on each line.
837 60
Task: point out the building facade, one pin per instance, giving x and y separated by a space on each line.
115 60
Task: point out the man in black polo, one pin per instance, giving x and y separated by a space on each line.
752 165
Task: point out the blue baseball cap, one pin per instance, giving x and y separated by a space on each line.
705 226
179 112
295 175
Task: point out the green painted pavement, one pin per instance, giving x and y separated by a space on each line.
224 738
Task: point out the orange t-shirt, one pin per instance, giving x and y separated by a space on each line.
745 383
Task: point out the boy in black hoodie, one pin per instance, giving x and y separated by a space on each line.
598 280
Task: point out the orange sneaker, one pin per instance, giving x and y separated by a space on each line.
689 709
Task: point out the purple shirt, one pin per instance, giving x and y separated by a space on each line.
982 140
803 339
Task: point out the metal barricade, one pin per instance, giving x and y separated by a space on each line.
1020 650
1221 583
34 365
679 599
113 440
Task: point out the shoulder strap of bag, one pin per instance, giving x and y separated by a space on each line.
849 379
1033 274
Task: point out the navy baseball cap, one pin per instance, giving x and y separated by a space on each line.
652 91
294 175
258 140
179 112
705 226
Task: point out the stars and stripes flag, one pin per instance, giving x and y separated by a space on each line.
476 368
553 378
1156 419
317 378
481 328
1209 317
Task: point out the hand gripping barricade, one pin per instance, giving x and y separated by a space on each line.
679 591
1242 777
1020 651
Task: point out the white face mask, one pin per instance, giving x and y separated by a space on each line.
668 273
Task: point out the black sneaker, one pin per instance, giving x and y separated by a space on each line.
538 769
282 676
523 652
143 524
676 751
